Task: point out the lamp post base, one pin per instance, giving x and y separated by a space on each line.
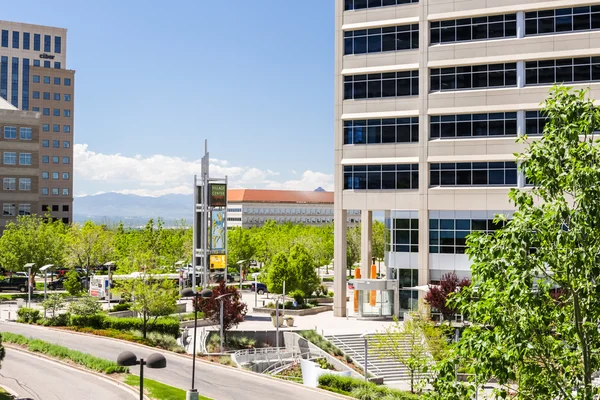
191 394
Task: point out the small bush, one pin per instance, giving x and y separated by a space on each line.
330 293
121 307
366 392
167 325
63 353
360 389
324 364
28 315
321 343
58 320
94 321
298 296
85 306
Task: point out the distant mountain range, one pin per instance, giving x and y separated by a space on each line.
110 208
133 210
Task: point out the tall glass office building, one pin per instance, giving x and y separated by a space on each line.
430 96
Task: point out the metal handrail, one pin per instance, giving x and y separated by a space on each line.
354 355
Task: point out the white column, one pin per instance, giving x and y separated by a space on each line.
339 261
366 234
520 74
520 24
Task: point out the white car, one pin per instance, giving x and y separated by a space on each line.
21 273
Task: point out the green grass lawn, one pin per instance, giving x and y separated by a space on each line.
157 390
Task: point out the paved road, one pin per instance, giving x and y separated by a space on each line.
40 379
214 381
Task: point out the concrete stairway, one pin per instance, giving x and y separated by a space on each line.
383 367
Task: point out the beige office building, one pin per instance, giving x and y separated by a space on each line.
430 96
19 168
253 207
33 77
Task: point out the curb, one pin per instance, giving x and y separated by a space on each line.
199 360
115 381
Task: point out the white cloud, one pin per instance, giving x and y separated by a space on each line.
158 175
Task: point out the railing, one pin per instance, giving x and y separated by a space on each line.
355 356
248 355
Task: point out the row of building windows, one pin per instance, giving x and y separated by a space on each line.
56 128
405 235
377 40
361 4
449 236
289 211
10 210
46 96
385 177
55 191
406 130
566 70
56 160
563 20
56 144
55 175
10 158
473 174
479 28
375 131
37 41
234 210
306 220
54 208
473 77
56 80
11 184
56 112
389 84
10 132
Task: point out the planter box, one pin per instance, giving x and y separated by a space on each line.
190 324
307 311
279 320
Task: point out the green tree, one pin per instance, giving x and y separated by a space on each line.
352 248
54 302
85 306
89 245
72 283
378 241
533 305
32 239
302 269
277 272
151 299
240 247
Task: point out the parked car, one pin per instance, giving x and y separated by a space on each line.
262 288
57 284
218 278
15 283
21 273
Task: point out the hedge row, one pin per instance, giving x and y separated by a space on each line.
346 384
169 326
86 360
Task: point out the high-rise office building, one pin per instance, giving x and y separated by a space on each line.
430 96
33 77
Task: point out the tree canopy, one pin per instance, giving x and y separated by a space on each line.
534 305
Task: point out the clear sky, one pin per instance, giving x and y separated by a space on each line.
154 78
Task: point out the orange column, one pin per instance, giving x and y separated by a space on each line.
373 293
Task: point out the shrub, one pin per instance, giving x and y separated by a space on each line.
330 293
63 353
366 392
85 306
324 364
95 321
167 325
360 389
163 341
344 383
57 320
321 343
298 296
28 315
121 307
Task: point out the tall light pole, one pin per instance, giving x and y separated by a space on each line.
192 394
44 269
154 360
28 266
108 292
179 264
220 298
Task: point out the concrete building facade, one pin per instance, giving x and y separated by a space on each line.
19 170
253 207
430 96
34 77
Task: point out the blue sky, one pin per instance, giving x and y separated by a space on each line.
155 78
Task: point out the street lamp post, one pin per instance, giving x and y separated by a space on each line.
192 394
154 360
179 264
28 266
108 292
44 269
220 298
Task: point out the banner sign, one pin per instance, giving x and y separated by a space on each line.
218 261
217 195
217 230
